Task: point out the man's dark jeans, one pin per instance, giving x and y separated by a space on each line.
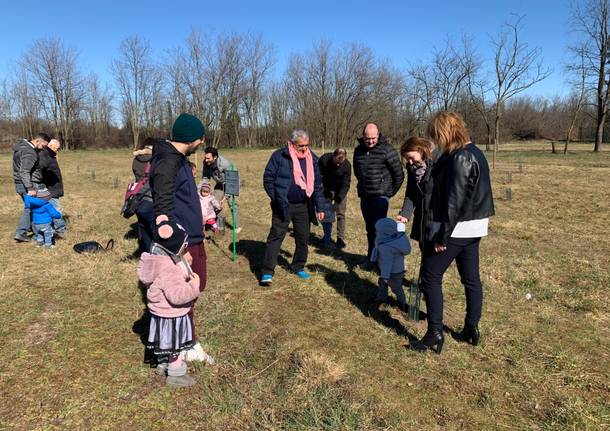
299 216
145 215
25 221
373 209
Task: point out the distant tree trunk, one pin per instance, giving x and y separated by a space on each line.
599 135
496 138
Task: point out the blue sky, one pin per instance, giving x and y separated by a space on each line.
402 31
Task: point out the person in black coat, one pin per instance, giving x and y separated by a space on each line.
336 173
144 210
379 173
461 204
419 156
51 178
293 183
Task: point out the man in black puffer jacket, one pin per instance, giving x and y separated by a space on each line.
379 173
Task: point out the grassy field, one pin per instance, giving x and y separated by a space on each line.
316 355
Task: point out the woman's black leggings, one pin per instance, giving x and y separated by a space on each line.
465 251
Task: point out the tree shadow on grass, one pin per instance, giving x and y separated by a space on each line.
140 328
351 260
361 293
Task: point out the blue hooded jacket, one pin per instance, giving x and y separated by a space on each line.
391 247
42 211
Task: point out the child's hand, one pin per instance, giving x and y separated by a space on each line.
195 278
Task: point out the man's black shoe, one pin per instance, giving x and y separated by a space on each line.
22 238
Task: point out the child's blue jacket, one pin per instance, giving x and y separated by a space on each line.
42 211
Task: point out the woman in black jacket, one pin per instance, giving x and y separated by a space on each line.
418 155
461 204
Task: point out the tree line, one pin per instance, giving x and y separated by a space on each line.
230 82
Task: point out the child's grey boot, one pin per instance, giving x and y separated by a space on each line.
178 378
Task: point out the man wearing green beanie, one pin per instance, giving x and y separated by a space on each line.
176 197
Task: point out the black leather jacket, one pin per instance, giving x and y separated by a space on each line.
462 190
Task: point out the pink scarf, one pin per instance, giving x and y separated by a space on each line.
304 182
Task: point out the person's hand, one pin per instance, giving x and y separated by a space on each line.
32 192
188 258
195 277
439 248
320 216
402 219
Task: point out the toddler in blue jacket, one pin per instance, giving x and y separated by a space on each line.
43 214
391 247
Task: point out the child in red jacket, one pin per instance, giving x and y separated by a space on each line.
172 288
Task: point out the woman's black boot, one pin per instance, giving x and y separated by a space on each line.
470 334
433 340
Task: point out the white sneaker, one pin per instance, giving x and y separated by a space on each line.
238 230
196 354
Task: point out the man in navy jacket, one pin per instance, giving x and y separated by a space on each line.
292 202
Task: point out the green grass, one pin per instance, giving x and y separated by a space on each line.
316 355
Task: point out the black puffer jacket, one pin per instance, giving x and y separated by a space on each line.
51 174
462 190
377 169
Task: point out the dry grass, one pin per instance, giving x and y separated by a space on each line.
317 355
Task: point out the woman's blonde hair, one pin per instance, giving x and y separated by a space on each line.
448 131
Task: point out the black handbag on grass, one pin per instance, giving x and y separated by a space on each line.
93 246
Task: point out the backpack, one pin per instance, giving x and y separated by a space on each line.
134 194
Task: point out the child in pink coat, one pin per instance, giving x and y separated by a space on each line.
171 289
209 206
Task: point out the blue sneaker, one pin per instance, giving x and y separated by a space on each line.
266 279
303 275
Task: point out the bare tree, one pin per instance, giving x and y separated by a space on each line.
57 83
517 68
138 84
259 62
98 107
590 21
578 98
6 101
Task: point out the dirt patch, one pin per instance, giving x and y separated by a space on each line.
41 331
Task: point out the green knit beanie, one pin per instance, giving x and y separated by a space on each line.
187 128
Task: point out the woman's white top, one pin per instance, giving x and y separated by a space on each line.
471 228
